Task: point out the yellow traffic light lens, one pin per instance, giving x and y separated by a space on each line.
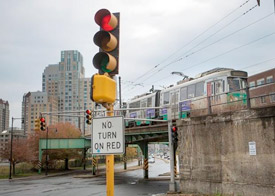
105 40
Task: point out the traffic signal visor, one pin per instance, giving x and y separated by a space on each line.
103 89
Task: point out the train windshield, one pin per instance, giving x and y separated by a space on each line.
236 84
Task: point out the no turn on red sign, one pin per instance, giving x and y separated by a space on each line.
108 135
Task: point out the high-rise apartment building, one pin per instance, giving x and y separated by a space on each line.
66 81
4 115
35 103
64 90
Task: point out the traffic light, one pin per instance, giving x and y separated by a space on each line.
42 124
174 131
88 117
103 89
107 39
37 124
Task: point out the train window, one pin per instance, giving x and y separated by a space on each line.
234 84
149 102
191 91
183 93
243 83
143 103
166 98
134 105
218 87
199 89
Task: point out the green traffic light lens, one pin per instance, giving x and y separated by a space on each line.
103 64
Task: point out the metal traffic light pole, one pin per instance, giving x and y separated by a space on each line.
172 184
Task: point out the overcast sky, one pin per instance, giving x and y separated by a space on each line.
156 38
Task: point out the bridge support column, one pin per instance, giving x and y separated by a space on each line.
84 158
125 157
40 158
144 148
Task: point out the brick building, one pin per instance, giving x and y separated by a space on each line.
262 88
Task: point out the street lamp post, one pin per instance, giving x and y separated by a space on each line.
47 133
11 161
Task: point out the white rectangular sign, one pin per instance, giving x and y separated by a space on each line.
108 135
252 148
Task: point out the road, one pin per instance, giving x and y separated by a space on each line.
128 183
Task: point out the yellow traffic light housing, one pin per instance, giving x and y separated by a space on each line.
37 124
88 117
107 39
103 89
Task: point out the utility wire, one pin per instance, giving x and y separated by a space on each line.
231 50
156 66
181 58
230 34
268 35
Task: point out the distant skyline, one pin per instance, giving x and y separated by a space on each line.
156 38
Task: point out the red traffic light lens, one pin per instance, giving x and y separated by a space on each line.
88 112
42 119
105 23
174 129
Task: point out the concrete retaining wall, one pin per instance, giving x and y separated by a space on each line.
214 154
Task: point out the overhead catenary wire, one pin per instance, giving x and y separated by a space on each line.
263 37
186 53
231 50
268 35
156 66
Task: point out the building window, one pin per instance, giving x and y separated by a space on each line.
272 97
263 99
269 79
252 84
260 82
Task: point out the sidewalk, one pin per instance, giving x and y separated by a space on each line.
84 173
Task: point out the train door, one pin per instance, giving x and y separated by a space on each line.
174 104
215 90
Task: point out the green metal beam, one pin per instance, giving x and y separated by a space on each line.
62 143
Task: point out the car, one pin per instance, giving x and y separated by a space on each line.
151 160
